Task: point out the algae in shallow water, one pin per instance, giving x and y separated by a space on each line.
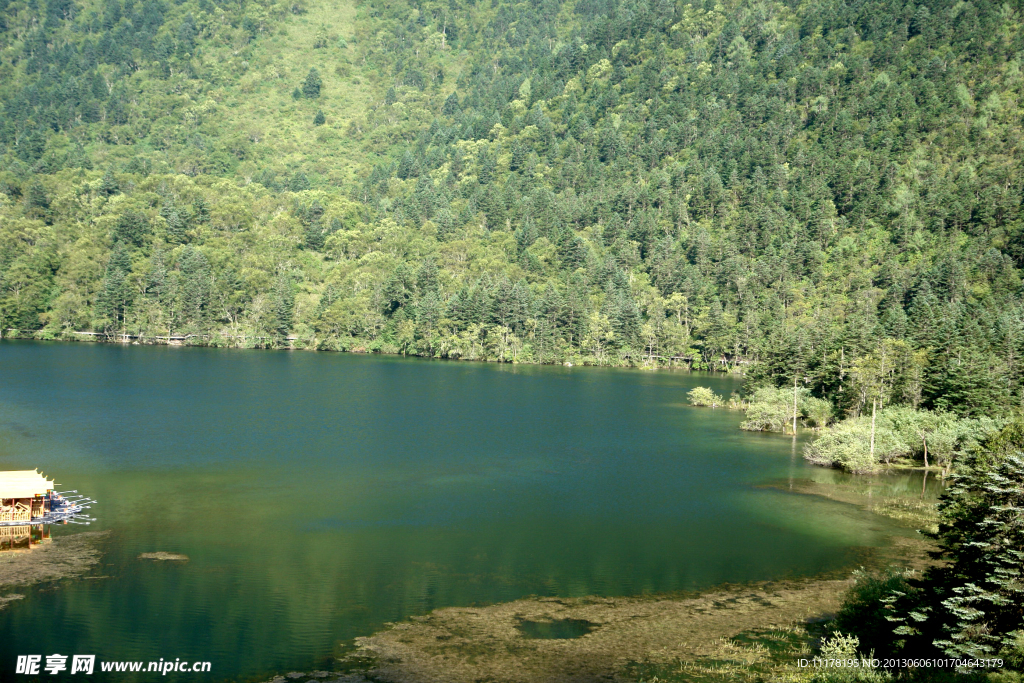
64 557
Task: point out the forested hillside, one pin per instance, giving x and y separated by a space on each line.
803 188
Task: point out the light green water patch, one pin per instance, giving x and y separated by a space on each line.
826 522
904 499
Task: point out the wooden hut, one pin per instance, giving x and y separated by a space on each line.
24 495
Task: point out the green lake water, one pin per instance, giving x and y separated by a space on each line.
320 496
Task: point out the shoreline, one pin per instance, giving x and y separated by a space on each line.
725 629
357 346
725 632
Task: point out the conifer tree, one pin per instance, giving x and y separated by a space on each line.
196 285
407 167
451 105
132 227
175 224
37 203
970 606
445 222
311 86
284 307
200 210
426 277
156 282
115 296
108 183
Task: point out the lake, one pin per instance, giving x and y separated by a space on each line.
319 496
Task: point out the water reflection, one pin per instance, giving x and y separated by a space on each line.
23 537
894 483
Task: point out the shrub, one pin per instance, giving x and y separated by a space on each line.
900 432
771 410
864 613
703 396
844 648
818 411
311 86
847 445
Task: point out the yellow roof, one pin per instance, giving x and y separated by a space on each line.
23 484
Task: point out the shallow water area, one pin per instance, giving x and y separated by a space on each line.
556 629
317 497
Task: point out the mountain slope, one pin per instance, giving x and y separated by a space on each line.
810 187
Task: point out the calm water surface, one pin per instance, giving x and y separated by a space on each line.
319 496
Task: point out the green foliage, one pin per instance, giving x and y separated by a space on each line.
108 184
451 105
702 396
319 119
797 190
174 222
970 606
771 409
284 306
37 203
194 288
900 433
864 612
1007 440
131 227
311 86
115 297
817 412
846 648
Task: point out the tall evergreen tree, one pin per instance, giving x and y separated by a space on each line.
284 307
108 183
311 86
131 227
115 297
451 105
969 607
196 285
37 203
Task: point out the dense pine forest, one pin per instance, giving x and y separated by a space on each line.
802 190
